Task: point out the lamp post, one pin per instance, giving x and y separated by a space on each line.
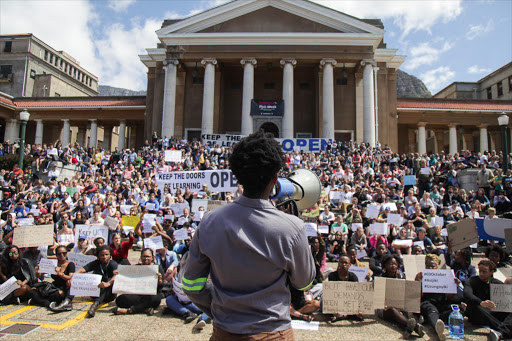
503 122
24 116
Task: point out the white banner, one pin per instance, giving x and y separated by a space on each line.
216 180
136 280
85 285
223 140
307 145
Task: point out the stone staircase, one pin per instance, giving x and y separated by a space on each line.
66 171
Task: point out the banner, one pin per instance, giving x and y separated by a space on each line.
462 233
216 180
347 298
136 280
37 235
493 229
85 285
80 260
222 140
267 108
91 231
397 293
306 145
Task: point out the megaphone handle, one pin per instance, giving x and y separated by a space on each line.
291 205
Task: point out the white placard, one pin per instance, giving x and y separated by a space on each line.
172 156
444 232
80 260
372 211
222 180
420 244
335 195
150 206
25 221
437 221
7 287
136 280
178 208
361 254
125 209
360 271
395 219
379 228
323 229
182 221
169 217
296 324
91 231
85 285
148 222
391 205
311 229
425 171
196 203
47 266
154 243
439 281
180 234
128 229
198 216
355 226
402 242
35 212
112 222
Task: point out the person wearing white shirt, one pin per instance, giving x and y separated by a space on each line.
54 173
95 219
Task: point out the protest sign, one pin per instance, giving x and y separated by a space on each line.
39 235
213 204
47 266
355 226
148 222
172 156
311 229
198 216
501 295
379 228
154 243
182 221
91 231
360 271
323 229
71 191
85 285
409 180
125 209
307 145
80 260
391 206
127 229
112 222
361 254
150 206
335 196
335 229
420 243
35 212
304 325
169 217
222 140
395 219
397 293
462 233
222 180
413 264
439 281
402 242
180 234
437 221
136 280
444 232
372 211
25 221
425 171
196 203
347 298
178 208
130 220
7 287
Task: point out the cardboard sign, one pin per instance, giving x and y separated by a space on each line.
413 264
397 293
172 156
47 266
38 235
7 287
181 234
154 243
372 211
217 180
136 280
379 228
91 231
130 220
501 295
348 298
360 271
85 285
112 222
409 180
80 260
439 281
196 203
462 233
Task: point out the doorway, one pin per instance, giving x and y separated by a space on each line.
269 127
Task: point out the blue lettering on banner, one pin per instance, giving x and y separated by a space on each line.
307 145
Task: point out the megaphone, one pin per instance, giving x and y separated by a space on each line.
302 186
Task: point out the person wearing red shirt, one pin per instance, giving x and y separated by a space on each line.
120 249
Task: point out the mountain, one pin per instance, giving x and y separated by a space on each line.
406 86
409 86
106 90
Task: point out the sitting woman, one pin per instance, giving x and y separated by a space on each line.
477 293
344 275
390 266
83 245
120 249
65 236
336 247
12 265
436 308
133 304
107 269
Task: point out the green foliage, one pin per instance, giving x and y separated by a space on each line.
7 162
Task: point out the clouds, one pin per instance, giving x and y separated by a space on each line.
438 78
120 5
475 31
425 54
475 70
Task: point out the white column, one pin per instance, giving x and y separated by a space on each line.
39 131
107 137
248 95
11 133
93 137
422 138
169 109
368 103
66 132
122 134
453 139
288 65
208 95
328 98
483 138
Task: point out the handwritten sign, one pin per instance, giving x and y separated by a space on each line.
136 280
80 260
112 222
148 222
85 285
347 298
360 271
180 234
47 266
439 281
311 229
7 287
462 233
501 295
154 243
91 231
39 235
397 293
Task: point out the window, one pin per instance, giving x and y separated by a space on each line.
500 89
489 93
51 58
65 67
56 61
46 55
8 46
61 63
6 73
510 84
32 73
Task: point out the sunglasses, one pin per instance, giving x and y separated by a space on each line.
61 253
13 253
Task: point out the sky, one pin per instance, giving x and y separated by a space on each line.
444 41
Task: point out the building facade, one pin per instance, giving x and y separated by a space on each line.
31 68
332 72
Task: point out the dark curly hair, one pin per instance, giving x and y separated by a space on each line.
255 160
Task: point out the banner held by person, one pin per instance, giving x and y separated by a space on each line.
85 285
92 232
397 293
221 140
38 235
136 280
216 180
347 298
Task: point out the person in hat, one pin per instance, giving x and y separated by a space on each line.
83 245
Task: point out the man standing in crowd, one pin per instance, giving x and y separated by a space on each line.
250 250
484 179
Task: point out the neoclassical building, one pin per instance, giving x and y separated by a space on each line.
328 74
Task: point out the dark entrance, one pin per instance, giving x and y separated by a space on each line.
270 127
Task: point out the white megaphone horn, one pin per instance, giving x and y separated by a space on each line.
302 185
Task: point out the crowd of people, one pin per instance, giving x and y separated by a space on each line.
353 176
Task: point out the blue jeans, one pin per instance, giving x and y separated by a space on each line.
181 309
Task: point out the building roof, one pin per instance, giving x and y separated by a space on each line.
77 102
437 104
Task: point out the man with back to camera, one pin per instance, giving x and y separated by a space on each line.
251 250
